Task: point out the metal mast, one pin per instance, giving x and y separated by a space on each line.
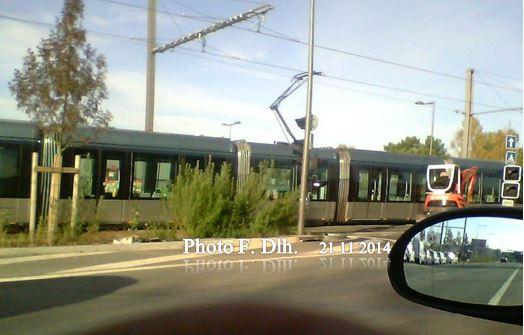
307 131
467 114
150 81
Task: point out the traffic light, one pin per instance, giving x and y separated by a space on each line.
510 190
512 173
301 122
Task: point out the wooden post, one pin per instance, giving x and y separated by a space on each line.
32 209
53 199
74 202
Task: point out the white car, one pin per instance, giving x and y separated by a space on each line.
451 258
435 256
442 257
409 254
429 257
420 253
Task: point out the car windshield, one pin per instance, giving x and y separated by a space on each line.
246 163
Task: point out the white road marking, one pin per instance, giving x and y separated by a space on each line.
496 298
46 257
130 264
62 274
137 265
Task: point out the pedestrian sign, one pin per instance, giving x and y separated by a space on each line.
511 142
511 157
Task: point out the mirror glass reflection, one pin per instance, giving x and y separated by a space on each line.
474 260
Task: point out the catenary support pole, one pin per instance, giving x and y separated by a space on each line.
307 131
467 114
150 81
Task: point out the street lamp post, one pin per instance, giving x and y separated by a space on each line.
432 103
230 125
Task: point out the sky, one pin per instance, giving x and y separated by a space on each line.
500 233
198 91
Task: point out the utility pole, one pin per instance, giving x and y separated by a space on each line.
467 114
307 131
150 81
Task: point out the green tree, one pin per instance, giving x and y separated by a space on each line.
448 238
413 145
61 86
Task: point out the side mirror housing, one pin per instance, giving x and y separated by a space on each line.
474 266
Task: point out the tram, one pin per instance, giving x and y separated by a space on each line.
126 170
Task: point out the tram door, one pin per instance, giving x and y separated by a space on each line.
376 193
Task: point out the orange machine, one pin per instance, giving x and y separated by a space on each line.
449 186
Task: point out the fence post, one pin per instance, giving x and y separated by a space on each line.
32 202
74 203
53 199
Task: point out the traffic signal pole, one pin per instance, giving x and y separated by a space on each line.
307 130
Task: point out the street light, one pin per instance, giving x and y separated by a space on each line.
230 125
432 122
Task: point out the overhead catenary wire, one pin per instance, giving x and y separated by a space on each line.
360 82
278 35
276 66
494 91
142 41
494 74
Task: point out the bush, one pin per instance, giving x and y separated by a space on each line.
206 204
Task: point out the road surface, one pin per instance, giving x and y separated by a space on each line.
477 283
72 294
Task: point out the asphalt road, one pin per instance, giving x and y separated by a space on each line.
77 293
479 283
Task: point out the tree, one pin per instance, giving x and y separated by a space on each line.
61 86
413 145
448 239
485 145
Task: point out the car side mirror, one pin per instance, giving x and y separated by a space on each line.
466 261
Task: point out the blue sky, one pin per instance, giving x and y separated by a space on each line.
196 91
500 233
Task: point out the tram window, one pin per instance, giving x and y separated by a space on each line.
163 180
375 182
420 187
112 178
399 186
363 184
279 182
319 187
476 192
8 171
87 169
490 189
140 170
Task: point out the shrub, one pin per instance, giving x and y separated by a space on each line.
206 204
